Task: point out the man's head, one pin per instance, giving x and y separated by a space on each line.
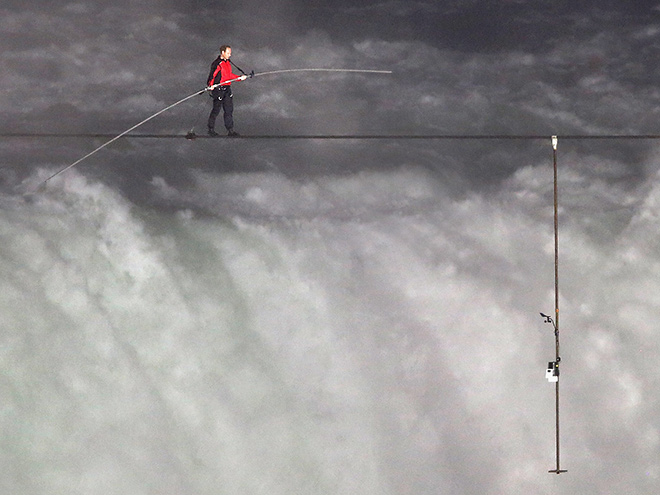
225 51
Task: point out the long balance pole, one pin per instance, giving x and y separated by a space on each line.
210 88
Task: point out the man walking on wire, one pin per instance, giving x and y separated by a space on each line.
222 97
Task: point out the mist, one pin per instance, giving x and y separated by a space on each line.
370 333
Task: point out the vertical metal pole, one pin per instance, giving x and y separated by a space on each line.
557 470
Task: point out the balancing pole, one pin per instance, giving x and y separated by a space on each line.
202 91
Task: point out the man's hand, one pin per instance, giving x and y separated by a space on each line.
243 78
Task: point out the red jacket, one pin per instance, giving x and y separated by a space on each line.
221 72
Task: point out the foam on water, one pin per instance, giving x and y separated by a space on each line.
251 333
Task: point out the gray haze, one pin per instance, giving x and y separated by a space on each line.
340 317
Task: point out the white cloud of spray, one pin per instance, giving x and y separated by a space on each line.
370 333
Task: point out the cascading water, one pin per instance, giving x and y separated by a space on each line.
251 333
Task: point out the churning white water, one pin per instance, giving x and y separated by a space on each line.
367 334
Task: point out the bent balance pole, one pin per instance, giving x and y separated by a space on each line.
210 88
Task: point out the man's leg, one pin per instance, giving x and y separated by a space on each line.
217 103
228 105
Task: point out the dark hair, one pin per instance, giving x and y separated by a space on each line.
224 47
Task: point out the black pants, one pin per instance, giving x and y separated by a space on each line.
222 98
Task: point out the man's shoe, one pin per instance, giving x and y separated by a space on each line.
233 133
212 133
